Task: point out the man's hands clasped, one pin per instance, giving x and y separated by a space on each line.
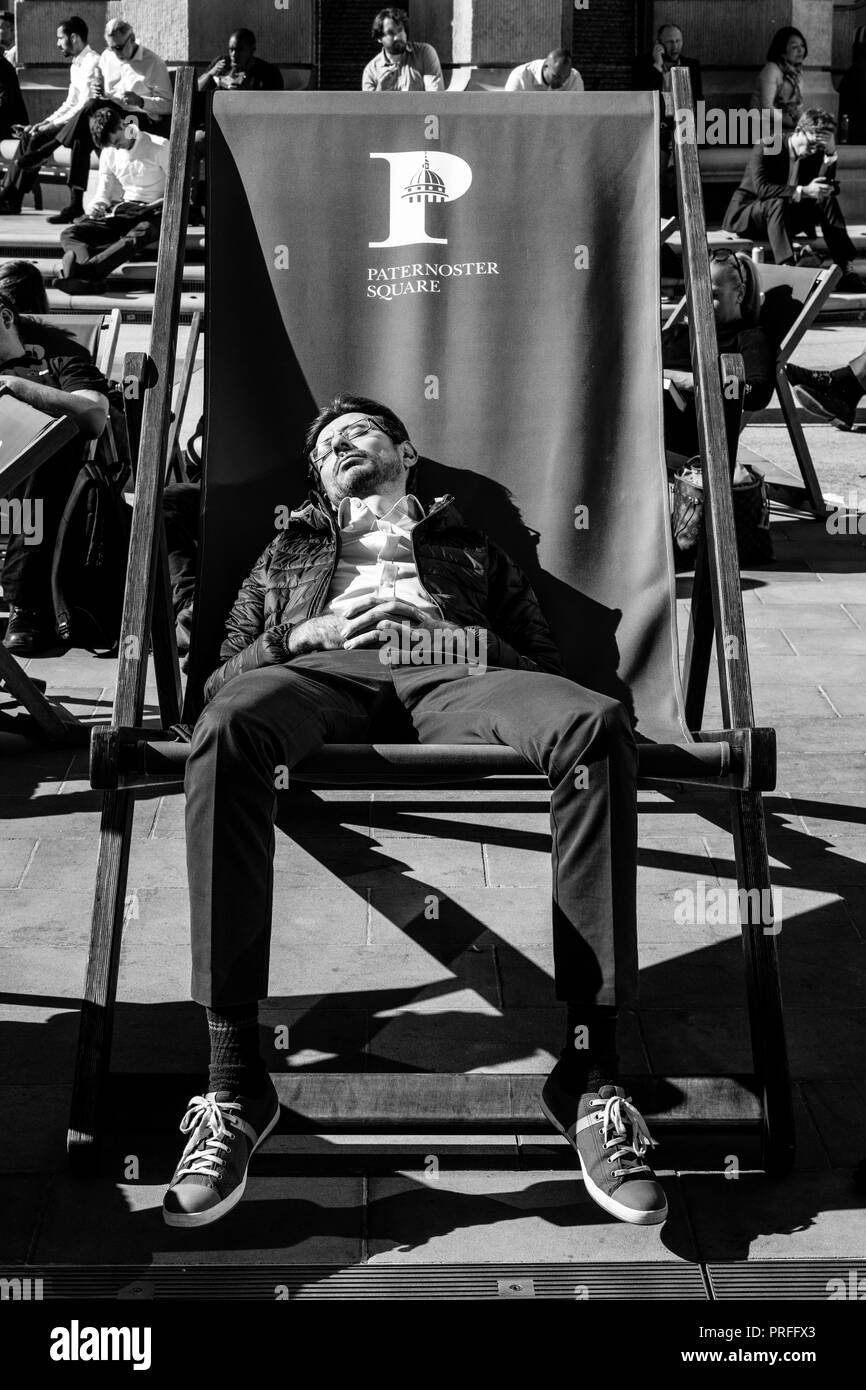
371 622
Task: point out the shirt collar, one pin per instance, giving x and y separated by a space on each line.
355 509
83 54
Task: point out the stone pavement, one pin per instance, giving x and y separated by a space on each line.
411 933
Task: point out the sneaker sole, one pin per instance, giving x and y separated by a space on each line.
814 407
609 1204
204 1218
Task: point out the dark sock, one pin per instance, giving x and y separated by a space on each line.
235 1061
589 1059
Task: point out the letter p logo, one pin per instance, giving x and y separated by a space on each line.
419 177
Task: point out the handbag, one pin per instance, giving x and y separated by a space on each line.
751 513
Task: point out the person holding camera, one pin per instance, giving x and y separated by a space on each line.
785 192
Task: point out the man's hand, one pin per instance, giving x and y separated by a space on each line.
132 99
389 80
412 637
321 634
658 54
817 190
98 211
219 67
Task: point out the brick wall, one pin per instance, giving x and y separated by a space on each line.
604 42
345 45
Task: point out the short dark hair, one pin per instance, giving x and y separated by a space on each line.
390 12
8 16
779 42
816 119
103 123
668 24
74 25
244 36
342 404
560 55
22 288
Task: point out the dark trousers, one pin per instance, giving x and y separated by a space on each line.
100 245
33 149
180 511
76 135
27 568
278 715
778 220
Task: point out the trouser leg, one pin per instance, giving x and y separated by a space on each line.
839 244
583 743
180 510
258 723
857 366
33 150
27 566
101 245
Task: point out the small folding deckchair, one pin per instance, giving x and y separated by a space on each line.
792 300
526 361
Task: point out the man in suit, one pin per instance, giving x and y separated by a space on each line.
786 192
651 72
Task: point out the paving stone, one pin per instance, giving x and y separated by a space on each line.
846 696
840 820
825 617
824 1043
16 858
838 1110
696 1041
811 1215
319 1039
38 1043
369 978
293 1220
465 916
486 1217
812 641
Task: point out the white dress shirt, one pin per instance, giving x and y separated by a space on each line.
83 66
527 78
136 175
376 557
144 73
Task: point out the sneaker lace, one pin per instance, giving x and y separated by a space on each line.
206 1123
618 1117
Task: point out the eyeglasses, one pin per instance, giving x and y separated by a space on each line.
722 256
324 448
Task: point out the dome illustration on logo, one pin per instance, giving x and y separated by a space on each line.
426 187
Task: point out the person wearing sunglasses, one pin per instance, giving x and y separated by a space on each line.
375 605
736 307
784 193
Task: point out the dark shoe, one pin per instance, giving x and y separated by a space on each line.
8 208
807 258
610 1138
77 284
26 634
820 395
68 214
225 1130
851 283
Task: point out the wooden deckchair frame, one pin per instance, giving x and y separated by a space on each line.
741 757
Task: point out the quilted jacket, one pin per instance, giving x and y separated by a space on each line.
473 582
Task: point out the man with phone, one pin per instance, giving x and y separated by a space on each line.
785 192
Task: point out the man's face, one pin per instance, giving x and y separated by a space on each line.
64 43
240 53
120 47
121 139
556 72
7 34
727 294
671 41
356 467
806 142
394 37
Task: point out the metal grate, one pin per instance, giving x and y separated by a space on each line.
644 1281
789 1279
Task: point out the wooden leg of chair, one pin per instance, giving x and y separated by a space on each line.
699 642
762 981
19 684
100 988
37 195
788 405
165 644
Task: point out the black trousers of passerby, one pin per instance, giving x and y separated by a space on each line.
34 147
180 511
76 135
100 245
778 220
26 573
276 716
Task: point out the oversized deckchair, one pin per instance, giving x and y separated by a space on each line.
530 380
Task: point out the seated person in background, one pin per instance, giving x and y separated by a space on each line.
781 194
832 395
13 112
401 66
651 72
322 643
181 503
22 286
134 81
38 142
236 70
7 37
736 304
551 74
779 81
852 90
126 213
42 366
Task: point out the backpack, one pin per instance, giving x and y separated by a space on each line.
88 570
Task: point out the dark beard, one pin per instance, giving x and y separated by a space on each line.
366 483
